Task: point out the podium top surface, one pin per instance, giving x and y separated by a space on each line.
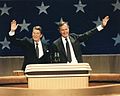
57 67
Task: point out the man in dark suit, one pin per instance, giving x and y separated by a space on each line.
36 50
73 54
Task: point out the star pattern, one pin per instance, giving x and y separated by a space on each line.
80 7
80 14
42 8
5 44
117 39
116 5
61 20
5 9
83 44
44 40
98 22
24 26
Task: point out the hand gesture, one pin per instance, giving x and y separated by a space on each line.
14 25
105 20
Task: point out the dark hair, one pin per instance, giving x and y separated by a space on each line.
62 23
37 28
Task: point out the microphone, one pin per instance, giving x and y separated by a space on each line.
56 57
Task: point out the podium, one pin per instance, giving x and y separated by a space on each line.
58 76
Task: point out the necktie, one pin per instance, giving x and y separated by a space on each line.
68 53
37 50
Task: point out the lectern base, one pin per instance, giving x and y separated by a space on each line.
58 83
58 76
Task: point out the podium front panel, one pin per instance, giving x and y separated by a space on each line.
58 76
58 83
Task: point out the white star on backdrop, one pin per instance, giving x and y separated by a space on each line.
83 44
5 44
98 22
5 9
24 25
43 8
9 10
80 6
117 39
45 40
61 20
116 5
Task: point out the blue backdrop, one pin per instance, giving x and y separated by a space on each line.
82 15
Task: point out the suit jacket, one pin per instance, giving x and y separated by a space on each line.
30 56
75 41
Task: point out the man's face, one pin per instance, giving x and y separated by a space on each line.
36 35
64 30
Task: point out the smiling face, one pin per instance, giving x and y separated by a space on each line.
36 34
64 29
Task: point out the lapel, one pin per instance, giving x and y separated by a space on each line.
45 47
73 44
32 43
72 40
32 46
61 47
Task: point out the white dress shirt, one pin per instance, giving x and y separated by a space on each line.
99 28
41 53
74 60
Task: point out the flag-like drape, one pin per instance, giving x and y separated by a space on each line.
82 15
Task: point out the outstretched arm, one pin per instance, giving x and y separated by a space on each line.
86 35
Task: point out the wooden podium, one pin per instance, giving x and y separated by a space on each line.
58 76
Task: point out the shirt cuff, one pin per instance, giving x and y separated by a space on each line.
99 28
11 33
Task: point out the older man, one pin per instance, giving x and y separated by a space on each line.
68 45
36 51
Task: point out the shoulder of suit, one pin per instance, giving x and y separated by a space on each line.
74 35
57 40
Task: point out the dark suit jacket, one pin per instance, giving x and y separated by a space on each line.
75 40
30 56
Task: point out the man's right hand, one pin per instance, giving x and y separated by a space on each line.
14 25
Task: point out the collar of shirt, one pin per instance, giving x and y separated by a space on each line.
64 41
74 60
39 43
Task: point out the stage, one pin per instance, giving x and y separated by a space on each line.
99 85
